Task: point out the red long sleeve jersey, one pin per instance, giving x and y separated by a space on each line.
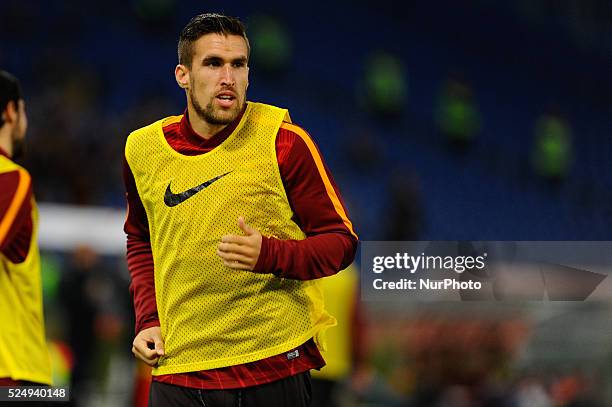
319 211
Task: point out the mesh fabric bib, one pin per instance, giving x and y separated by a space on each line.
212 316
23 348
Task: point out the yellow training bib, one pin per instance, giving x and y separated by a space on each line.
23 349
212 316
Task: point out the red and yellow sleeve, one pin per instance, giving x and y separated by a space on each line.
318 209
15 216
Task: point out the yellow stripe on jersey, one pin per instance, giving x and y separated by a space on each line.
319 163
13 209
171 120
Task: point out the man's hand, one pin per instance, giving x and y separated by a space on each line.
148 345
241 252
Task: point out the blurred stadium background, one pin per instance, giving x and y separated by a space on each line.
443 120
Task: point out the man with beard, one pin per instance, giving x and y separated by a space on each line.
232 216
24 358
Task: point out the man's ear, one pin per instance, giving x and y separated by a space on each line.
181 74
10 113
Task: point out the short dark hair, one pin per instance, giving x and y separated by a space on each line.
10 91
209 23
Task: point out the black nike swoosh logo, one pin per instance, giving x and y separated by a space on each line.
171 199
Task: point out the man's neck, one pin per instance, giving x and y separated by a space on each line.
5 142
201 127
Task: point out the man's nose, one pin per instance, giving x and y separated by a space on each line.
227 76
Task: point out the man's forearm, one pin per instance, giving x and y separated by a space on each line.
314 257
142 286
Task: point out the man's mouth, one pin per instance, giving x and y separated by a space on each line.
226 99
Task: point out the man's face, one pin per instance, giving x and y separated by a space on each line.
218 77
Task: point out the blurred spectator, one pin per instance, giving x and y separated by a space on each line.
61 363
465 352
271 45
531 392
552 149
77 294
155 12
385 90
365 151
458 116
403 212
455 396
85 289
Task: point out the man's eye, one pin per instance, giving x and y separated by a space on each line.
213 63
238 64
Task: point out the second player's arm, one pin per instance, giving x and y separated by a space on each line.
15 215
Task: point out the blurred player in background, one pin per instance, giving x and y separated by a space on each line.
344 356
24 357
232 216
